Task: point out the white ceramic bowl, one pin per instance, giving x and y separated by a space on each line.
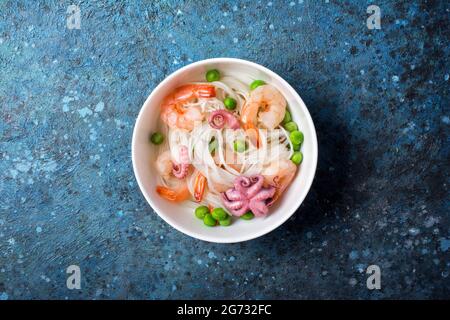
183 219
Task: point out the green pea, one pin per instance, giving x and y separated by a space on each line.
225 222
212 75
229 103
296 137
296 147
248 216
219 214
291 126
201 212
240 145
209 221
157 138
297 157
255 84
287 117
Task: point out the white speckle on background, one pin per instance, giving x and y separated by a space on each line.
38 229
353 255
13 173
414 231
67 99
445 119
444 244
235 40
395 78
93 134
85 112
99 107
430 221
23 167
360 267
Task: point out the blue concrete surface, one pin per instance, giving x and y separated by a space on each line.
379 99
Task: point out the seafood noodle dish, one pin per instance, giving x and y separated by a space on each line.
226 147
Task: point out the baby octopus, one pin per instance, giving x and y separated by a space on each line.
248 194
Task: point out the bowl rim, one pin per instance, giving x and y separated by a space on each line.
257 233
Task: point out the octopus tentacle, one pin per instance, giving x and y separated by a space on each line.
264 194
239 212
259 208
235 205
180 170
248 194
241 184
257 183
234 195
232 205
219 118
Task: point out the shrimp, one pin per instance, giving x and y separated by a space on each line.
178 190
279 174
164 164
199 187
267 106
173 110
173 194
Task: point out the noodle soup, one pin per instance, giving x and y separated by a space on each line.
226 147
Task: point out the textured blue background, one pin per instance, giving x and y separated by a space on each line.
379 99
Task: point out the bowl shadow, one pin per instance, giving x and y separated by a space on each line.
325 197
